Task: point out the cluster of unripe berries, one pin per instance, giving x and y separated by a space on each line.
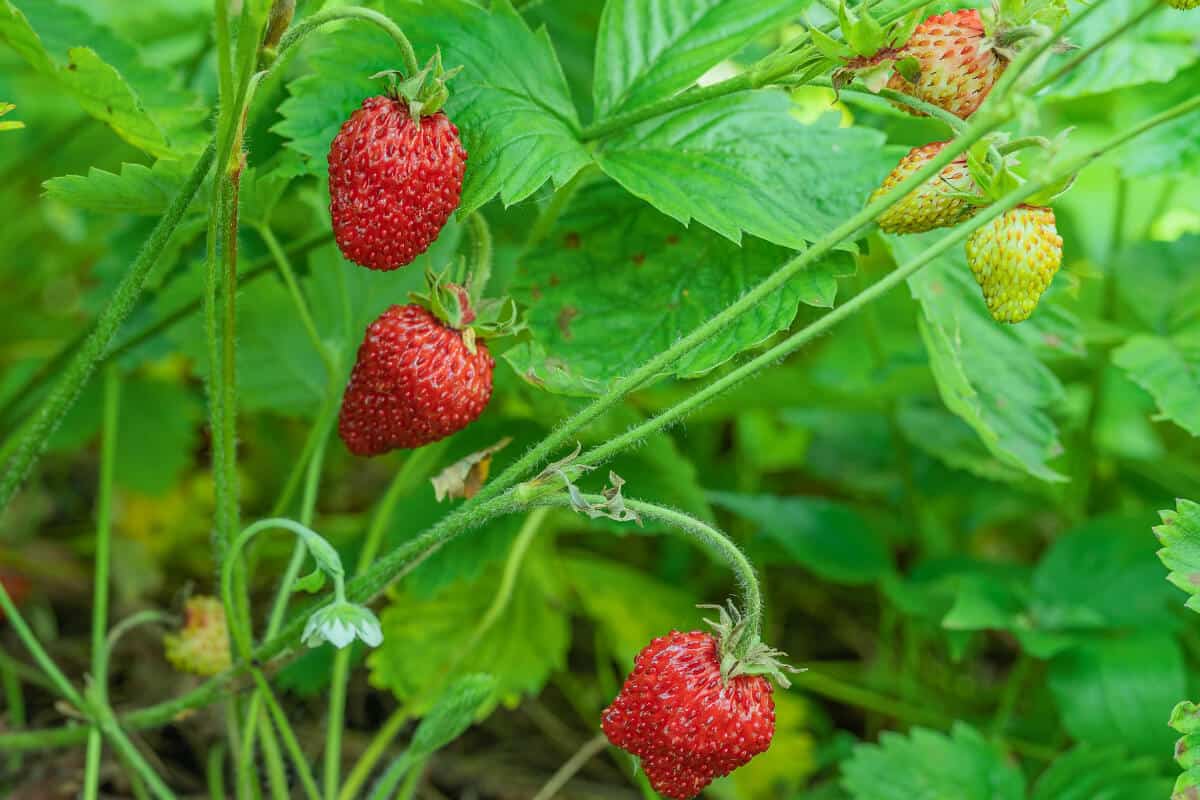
1015 256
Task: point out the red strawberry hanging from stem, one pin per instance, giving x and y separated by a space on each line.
697 706
396 172
423 371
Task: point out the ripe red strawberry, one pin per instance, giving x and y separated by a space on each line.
687 721
1014 258
393 182
415 381
958 65
933 204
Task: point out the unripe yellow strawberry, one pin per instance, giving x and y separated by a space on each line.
1183 5
1014 258
202 646
933 204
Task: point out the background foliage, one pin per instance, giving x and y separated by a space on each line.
953 519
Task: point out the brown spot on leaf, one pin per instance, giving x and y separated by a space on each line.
672 240
1052 341
72 66
638 259
565 317
535 292
571 241
554 281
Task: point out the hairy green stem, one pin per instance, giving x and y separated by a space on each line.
314 21
293 286
571 767
954 123
379 744
295 752
108 444
713 540
70 383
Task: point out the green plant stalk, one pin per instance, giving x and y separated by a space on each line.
293 286
14 699
416 468
315 20
313 468
214 772
952 122
713 540
379 744
70 383
470 515
571 767
295 752
112 731
389 782
276 774
108 448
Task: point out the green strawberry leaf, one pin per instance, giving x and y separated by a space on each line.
1169 369
962 765
138 189
615 282
650 49
946 437
744 163
107 77
428 642
1179 535
827 537
985 373
1120 692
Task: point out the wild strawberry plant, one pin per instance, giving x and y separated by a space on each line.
398 387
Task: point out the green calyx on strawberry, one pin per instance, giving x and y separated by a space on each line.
740 650
993 167
426 92
870 50
476 319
